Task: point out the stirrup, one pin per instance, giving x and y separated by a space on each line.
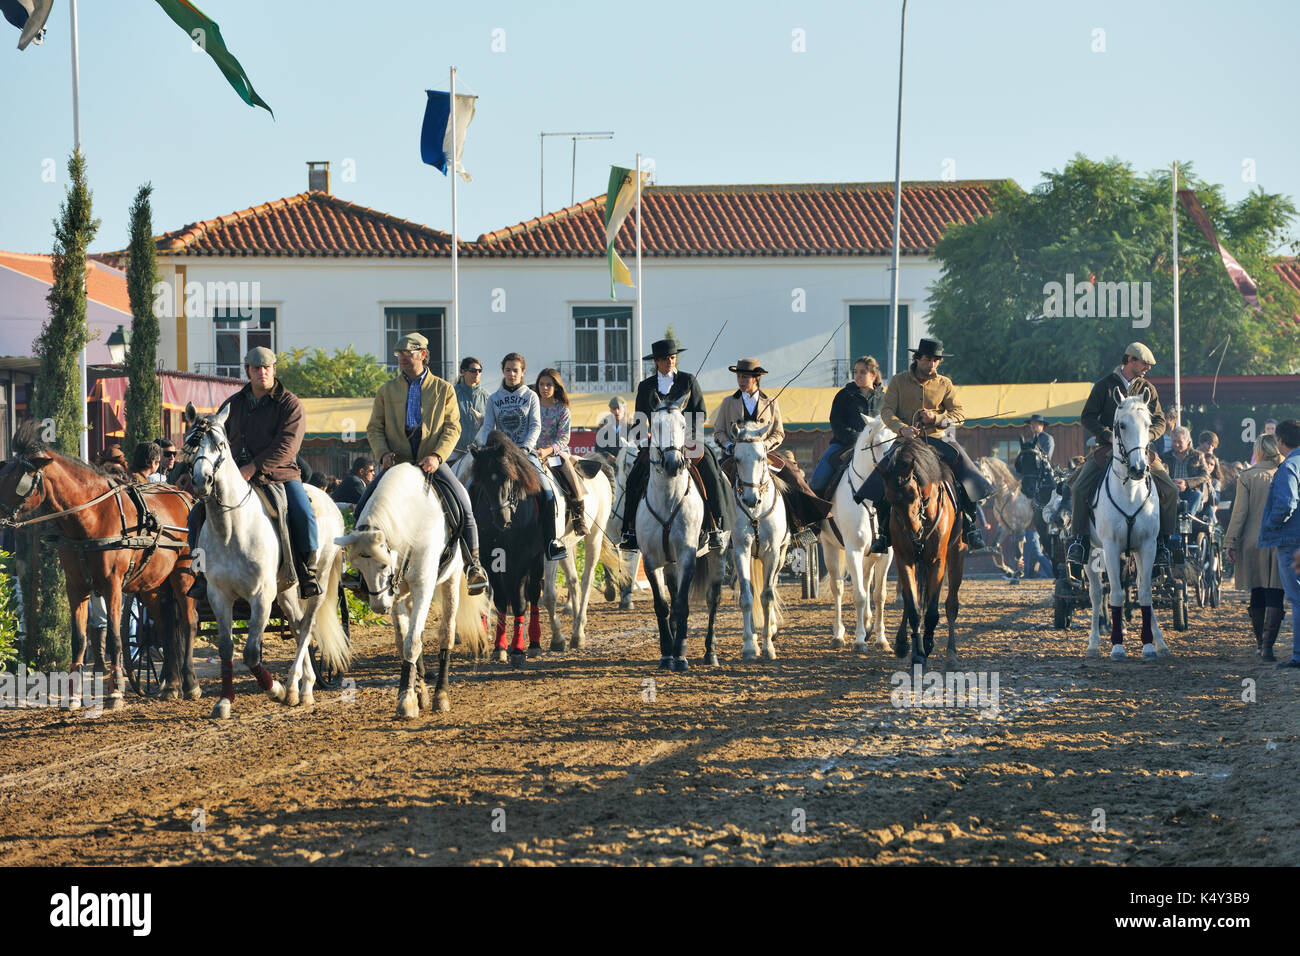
308 586
880 544
628 541
476 581
714 540
555 550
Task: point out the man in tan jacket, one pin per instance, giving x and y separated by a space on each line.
921 403
416 419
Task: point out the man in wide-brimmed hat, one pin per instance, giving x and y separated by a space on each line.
921 403
750 404
668 384
1038 437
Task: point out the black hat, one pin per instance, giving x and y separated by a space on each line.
663 349
932 347
1037 418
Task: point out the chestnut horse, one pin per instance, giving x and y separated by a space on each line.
93 511
925 532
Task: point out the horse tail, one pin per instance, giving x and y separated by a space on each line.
471 612
335 651
612 559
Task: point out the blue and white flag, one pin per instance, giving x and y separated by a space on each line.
435 137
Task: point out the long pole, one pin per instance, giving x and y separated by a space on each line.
455 243
541 186
1178 381
76 146
640 324
898 207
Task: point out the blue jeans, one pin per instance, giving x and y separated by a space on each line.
1034 557
302 520
822 473
1195 498
1291 585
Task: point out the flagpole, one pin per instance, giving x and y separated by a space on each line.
1178 383
76 147
898 209
455 241
640 325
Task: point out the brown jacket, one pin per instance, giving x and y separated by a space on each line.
1098 414
268 436
439 420
731 410
1198 476
907 395
1255 567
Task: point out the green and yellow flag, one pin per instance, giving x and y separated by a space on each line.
619 200
207 36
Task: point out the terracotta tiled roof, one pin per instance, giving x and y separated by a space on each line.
313 223
818 219
104 285
1289 270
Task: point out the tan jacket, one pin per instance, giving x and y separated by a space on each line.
1255 568
439 419
731 410
907 395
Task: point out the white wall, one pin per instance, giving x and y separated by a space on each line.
24 310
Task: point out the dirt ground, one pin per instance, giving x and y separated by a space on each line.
578 759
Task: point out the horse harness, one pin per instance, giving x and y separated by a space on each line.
761 487
1129 519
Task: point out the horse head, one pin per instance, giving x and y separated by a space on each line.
668 436
22 480
503 478
750 452
876 439
1130 433
368 552
205 447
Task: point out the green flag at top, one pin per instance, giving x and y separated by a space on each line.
207 35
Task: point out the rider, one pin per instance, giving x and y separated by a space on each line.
669 384
611 430
1098 417
416 419
924 396
1038 437
515 409
265 428
471 397
750 404
553 440
863 396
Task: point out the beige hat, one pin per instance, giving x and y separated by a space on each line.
1140 351
259 357
412 342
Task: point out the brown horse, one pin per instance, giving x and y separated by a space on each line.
925 533
107 547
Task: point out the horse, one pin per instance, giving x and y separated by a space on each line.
503 487
241 560
407 557
108 547
1039 479
668 521
626 562
856 525
597 504
1126 518
1015 513
760 538
925 530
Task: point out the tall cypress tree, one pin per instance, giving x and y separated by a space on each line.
143 396
57 398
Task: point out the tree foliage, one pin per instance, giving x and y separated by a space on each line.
143 405
310 373
1101 222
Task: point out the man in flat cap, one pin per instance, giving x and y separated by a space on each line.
1098 417
416 419
265 429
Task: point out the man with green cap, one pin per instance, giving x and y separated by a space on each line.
265 429
1098 417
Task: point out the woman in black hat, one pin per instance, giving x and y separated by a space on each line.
668 384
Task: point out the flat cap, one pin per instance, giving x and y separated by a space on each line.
1140 351
413 342
259 357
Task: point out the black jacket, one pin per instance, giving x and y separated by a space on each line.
647 397
349 490
847 410
1099 411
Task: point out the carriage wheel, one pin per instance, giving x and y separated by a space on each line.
814 569
1180 609
1061 613
141 664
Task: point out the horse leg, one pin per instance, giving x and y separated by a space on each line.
259 612
714 596
1094 595
879 574
299 689
591 547
656 579
682 609
741 544
117 677
771 569
533 594
906 591
834 556
501 652
548 601
1152 640
956 568
1114 573
449 606
934 581
223 611
80 615
416 695
861 598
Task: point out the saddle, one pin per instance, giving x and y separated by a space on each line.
275 504
452 512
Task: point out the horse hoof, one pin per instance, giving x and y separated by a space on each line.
882 645
626 605
424 698
749 655
442 701
517 659
535 650
501 655
74 703
291 699
859 647
838 643
1148 652
900 648
277 691
680 665
1164 652
116 702
169 693
1093 652
407 706
769 653
1117 653
557 644
193 693
577 643
665 663
711 659
222 709
308 699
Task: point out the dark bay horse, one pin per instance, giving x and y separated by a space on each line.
925 531
106 546
504 486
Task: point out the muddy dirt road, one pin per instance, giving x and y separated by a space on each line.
798 760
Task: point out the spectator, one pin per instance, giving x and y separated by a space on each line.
354 483
1255 568
145 461
1279 527
472 399
320 480
167 463
1034 557
1187 469
611 430
306 470
113 461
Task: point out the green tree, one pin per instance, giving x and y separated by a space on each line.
310 373
143 394
57 399
1100 222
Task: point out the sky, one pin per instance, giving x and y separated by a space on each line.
765 91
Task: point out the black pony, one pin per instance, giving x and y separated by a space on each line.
1038 479
504 487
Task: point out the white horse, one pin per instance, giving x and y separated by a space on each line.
668 522
1015 514
624 462
760 538
596 504
240 559
399 539
1126 517
857 525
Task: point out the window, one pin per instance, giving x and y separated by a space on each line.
236 335
869 334
428 321
601 343
1008 451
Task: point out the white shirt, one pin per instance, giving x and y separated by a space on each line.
751 402
156 477
665 382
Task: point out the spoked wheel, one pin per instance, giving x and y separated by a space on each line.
1180 609
1061 610
143 651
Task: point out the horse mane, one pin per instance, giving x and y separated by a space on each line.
501 461
927 466
27 442
1001 473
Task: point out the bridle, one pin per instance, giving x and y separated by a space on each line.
394 582
761 486
32 482
197 439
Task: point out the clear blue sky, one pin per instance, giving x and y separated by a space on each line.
712 91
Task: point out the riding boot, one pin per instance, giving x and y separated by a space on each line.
476 581
305 567
1077 554
555 550
1256 613
1272 623
970 527
880 543
199 589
